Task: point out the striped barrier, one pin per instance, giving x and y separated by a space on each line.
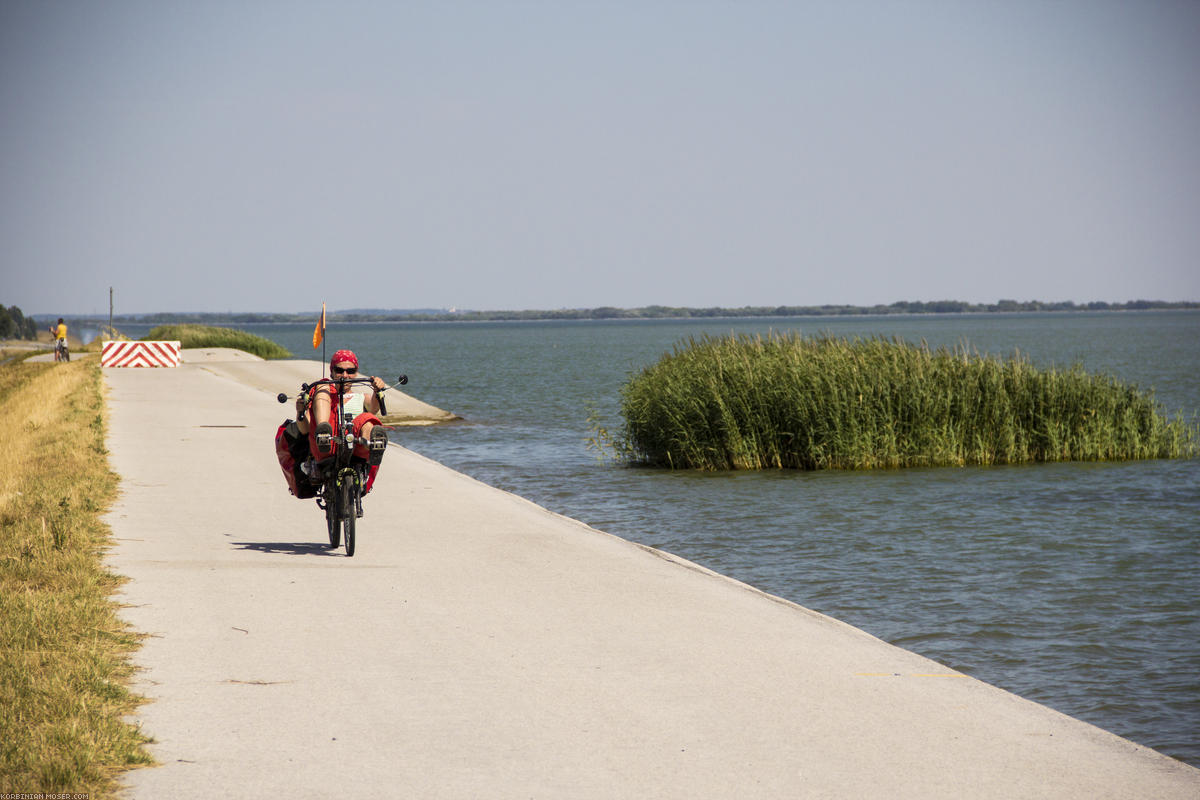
140 354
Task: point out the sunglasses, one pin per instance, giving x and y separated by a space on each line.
346 371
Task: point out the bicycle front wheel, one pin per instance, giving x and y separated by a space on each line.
349 495
333 520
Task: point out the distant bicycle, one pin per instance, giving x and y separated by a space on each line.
59 334
339 480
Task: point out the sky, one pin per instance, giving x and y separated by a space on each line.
263 155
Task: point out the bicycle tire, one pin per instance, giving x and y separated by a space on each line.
332 519
348 513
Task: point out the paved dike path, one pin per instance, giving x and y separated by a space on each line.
479 646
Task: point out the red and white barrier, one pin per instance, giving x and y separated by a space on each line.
140 354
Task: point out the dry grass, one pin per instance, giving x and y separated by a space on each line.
64 660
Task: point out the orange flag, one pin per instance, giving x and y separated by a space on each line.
319 331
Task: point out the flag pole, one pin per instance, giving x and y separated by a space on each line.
319 338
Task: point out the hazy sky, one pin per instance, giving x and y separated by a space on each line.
240 155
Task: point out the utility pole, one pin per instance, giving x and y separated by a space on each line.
110 327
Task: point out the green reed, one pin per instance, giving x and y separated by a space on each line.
788 401
199 336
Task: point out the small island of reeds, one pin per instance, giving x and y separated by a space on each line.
195 336
789 401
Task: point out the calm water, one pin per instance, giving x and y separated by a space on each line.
1075 585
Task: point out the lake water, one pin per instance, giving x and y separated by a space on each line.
1075 585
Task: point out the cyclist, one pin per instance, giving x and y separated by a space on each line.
296 442
60 341
321 401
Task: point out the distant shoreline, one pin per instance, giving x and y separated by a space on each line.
645 312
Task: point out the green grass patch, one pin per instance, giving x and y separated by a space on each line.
788 401
64 662
209 336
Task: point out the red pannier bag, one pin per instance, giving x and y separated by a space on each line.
292 451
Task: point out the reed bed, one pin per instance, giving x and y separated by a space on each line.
210 336
795 402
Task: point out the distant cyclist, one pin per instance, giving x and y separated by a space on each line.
61 353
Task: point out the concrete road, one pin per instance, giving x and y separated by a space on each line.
286 376
479 646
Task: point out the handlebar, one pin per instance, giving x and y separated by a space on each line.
306 387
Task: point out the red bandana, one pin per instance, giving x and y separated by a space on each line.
343 355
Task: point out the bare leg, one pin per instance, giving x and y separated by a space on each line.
319 436
321 405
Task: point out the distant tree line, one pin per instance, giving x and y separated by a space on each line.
648 312
904 307
15 325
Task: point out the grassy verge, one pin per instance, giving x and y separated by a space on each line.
813 403
208 336
63 650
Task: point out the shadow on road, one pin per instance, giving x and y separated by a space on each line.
295 548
